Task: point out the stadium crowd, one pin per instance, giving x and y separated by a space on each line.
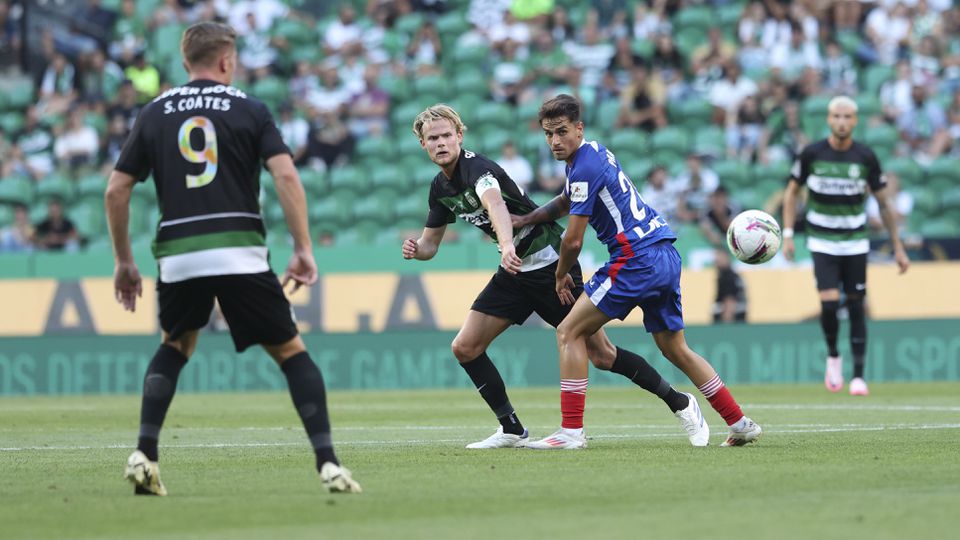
706 103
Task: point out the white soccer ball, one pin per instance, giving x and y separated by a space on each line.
754 237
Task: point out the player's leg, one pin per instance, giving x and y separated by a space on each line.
673 345
258 312
184 308
827 270
583 321
855 287
470 349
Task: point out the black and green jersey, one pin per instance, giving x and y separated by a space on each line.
205 144
837 182
538 245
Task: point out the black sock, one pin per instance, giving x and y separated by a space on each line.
490 385
641 373
310 399
159 385
830 324
858 334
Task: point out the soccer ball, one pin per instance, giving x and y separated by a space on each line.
753 237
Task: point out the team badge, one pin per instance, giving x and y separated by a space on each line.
854 171
578 191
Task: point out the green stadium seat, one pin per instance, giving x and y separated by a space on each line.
849 41
412 207
305 53
604 117
490 113
314 182
624 142
638 169
296 32
772 172
471 81
11 122
687 40
670 140
709 140
815 107
452 23
336 209
491 141
642 47
466 105
906 168
940 228
387 175
695 18
882 138
55 186
349 177
431 88
271 90
873 77
944 167
165 43
16 189
402 116
362 232
733 173
476 55
379 147
692 113
377 207
19 94
6 214
88 218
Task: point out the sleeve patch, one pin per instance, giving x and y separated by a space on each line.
485 182
578 191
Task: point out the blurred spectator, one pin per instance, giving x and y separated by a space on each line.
752 21
888 33
560 27
351 69
184 12
99 77
374 36
846 14
35 142
117 132
668 65
895 93
727 93
902 202
17 236
551 174
638 108
344 34
923 23
56 232
547 62
788 60
91 27
516 166
953 120
512 30
509 80
303 82
78 144
621 65
6 154
839 72
329 140
145 78
730 305
776 29
649 21
435 7
485 14
256 49
707 60
694 186
9 35
716 219
129 34
657 194
56 88
332 95
783 137
535 11
370 108
295 131
125 104
743 132
923 126
265 12
753 57
800 14
590 56
925 63
424 50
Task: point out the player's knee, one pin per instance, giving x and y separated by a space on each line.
855 307
157 386
829 307
465 351
601 355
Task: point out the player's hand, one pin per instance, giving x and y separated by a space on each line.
127 285
903 261
301 269
788 248
565 290
409 248
508 258
518 222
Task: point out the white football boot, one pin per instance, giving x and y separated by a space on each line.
144 475
743 432
499 439
337 479
562 439
691 419
833 374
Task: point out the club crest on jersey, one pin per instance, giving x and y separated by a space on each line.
471 200
854 171
578 191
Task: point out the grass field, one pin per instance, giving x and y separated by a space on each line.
238 466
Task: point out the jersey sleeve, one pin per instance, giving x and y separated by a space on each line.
271 141
439 215
801 167
581 188
134 158
875 178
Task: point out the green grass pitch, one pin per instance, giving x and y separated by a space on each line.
238 466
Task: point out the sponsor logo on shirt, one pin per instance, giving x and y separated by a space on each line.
578 191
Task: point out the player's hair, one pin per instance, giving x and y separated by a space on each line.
204 42
840 101
561 106
439 111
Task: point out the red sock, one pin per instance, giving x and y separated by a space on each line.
573 396
721 400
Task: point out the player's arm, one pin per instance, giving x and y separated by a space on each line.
500 220
789 217
127 284
570 248
302 269
553 210
425 247
889 217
